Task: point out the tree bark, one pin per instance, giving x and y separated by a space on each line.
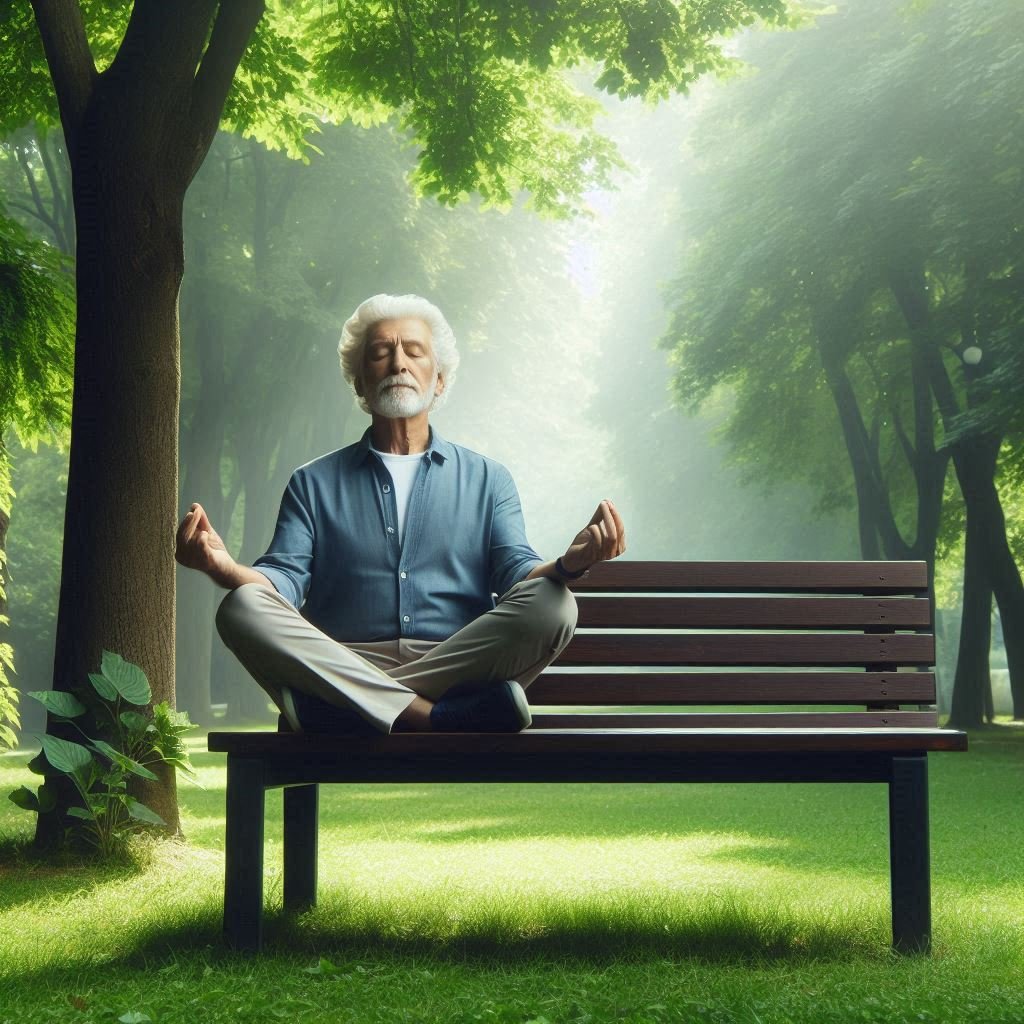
972 685
117 572
136 135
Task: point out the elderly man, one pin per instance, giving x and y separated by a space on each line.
372 610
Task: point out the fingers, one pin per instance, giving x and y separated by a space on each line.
620 530
607 532
193 517
610 530
195 521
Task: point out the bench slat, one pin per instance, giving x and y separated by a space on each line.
753 612
738 720
562 687
749 649
567 742
749 577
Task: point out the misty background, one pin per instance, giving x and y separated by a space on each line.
656 352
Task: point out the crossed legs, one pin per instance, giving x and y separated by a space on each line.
398 679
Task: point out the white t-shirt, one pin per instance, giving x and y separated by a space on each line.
403 470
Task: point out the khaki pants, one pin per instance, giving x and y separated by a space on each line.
518 639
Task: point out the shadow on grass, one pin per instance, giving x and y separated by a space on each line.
30 876
594 931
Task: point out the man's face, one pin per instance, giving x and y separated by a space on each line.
400 375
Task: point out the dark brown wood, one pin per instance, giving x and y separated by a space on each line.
753 612
750 577
791 745
592 688
568 742
749 649
739 720
689 766
909 860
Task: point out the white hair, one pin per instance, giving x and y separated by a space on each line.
396 307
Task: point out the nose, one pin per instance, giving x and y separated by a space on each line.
398 359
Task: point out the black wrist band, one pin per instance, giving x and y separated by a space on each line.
562 571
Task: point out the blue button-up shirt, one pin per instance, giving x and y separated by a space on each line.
336 545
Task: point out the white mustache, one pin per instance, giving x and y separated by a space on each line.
396 382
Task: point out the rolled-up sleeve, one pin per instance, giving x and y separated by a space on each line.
511 557
288 561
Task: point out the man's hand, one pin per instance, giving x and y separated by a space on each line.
199 545
602 538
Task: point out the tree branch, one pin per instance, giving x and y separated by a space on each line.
62 212
37 198
904 438
43 217
71 63
235 24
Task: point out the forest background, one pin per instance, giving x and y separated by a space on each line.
737 343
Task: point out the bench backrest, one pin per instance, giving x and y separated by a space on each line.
831 634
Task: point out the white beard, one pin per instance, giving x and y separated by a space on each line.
402 402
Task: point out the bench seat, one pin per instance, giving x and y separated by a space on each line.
628 742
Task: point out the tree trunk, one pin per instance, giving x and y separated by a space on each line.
972 685
975 460
202 446
117 573
10 693
136 135
247 700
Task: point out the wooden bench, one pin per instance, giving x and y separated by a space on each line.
830 634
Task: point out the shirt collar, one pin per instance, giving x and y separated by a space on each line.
438 449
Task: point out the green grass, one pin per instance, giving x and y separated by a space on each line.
576 903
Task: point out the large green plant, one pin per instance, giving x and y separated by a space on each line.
99 769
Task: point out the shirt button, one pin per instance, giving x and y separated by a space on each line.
404 574
405 618
387 488
391 529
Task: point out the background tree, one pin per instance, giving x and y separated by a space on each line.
36 363
836 259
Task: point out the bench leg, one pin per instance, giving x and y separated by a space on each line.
243 855
908 855
300 828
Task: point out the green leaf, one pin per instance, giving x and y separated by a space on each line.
134 1017
129 680
65 756
80 812
103 686
123 761
59 702
24 798
133 721
39 766
140 812
323 967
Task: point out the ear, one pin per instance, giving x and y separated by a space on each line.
440 385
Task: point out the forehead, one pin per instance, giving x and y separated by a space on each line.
408 328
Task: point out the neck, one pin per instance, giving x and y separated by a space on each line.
400 436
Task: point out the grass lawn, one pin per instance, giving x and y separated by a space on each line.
542 903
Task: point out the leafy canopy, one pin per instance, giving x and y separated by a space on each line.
478 85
